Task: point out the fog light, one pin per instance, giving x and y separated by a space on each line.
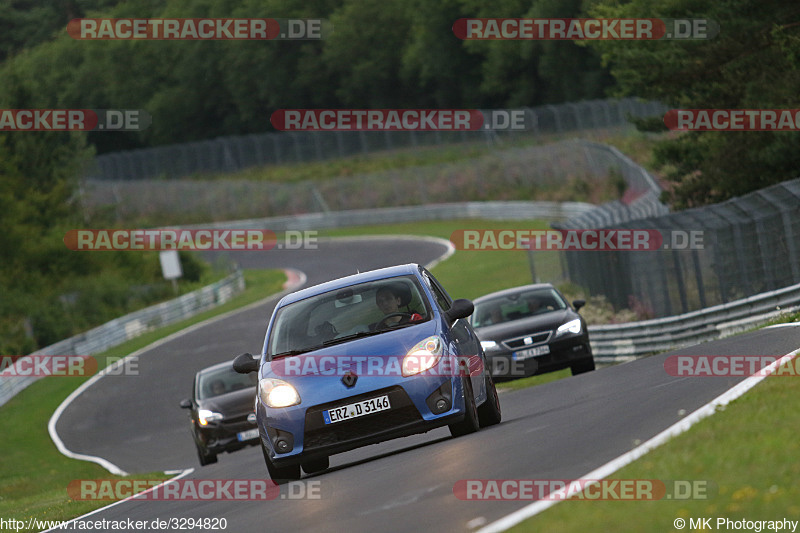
441 405
282 446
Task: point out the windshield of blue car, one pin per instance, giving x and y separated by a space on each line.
344 314
212 383
516 306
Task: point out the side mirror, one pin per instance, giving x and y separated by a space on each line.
245 363
577 304
186 403
461 308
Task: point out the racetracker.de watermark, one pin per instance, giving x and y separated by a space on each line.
582 489
74 119
577 239
731 365
199 29
47 365
376 365
732 119
402 120
574 29
194 490
189 240
65 366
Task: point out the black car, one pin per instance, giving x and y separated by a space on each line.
222 415
532 330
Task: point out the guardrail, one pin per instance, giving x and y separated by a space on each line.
549 211
619 342
132 325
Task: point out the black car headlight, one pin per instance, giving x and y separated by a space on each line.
573 326
205 417
489 346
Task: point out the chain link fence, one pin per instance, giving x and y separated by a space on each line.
521 173
230 154
750 245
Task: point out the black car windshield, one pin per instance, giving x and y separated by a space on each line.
212 383
344 314
516 306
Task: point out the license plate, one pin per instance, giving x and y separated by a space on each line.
354 410
247 435
532 352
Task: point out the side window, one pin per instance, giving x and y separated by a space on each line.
438 292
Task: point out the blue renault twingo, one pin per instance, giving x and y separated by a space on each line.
364 359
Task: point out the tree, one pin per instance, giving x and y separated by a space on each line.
751 64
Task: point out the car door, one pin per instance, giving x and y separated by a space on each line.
462 333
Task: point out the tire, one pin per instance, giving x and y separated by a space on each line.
587 365
280 474
206 459
489 413
470 424
316 465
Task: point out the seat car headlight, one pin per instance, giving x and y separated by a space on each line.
205 416
422 356
573 326
489 345
277 393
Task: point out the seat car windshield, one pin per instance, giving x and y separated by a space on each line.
222 381
337 316
517 306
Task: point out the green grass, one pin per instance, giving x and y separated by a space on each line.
412 156
783 319
357 164
532 381
746 452
33 473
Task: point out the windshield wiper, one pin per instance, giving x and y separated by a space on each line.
352 336
289 353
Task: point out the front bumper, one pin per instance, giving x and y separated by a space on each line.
505 364
312 438
223 437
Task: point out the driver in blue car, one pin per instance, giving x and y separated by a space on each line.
389 300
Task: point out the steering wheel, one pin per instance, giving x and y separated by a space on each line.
382 324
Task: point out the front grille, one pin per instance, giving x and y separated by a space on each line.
536 338
235 424
319 434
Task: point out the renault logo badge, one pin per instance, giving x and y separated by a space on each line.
349 379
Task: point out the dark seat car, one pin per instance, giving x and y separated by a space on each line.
222 415
532 330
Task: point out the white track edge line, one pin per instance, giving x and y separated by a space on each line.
63 525
114 469
625 459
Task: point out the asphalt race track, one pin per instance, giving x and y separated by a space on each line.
561 430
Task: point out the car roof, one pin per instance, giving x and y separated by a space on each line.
513 290
340 283
214 368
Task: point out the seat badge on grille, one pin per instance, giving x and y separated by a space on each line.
349 379
528 340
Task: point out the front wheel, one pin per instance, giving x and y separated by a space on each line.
470 424
206 458
489 413
280 474
586 365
